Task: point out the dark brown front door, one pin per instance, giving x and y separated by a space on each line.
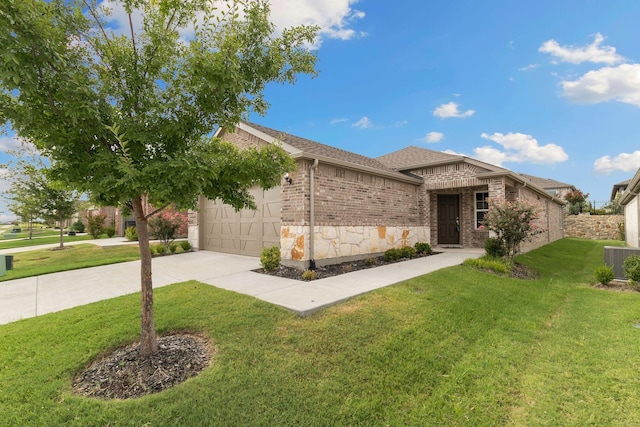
448 219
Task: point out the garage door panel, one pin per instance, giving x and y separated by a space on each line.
246 232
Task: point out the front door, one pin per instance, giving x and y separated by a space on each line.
448 219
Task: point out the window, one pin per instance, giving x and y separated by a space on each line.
482 206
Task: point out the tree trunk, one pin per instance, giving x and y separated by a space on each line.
61 232
148 341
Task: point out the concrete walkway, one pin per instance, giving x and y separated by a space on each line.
34 296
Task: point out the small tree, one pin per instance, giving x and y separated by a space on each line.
95 224
513 223
577 200
165 227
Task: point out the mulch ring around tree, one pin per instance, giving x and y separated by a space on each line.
122 375
325 271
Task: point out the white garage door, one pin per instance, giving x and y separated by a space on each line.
246 232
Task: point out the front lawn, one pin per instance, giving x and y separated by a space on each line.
44 261
454 347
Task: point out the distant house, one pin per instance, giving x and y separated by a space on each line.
338 205
555 188
631 204
619 189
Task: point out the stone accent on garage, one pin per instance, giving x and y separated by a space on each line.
335 244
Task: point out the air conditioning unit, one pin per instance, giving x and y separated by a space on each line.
614 256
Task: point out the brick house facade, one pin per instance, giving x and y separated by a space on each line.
359 206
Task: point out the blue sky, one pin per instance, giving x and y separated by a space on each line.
548 88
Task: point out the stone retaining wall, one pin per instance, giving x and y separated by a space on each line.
600 227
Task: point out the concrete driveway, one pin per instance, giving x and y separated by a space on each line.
35 296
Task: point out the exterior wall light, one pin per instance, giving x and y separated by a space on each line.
288 178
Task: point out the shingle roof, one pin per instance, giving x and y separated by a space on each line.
312 147
545 183
415 156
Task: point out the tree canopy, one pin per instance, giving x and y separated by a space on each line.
126 113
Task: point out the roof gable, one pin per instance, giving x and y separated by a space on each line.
302 147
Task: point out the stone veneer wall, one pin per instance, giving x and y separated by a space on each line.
344 243
600 227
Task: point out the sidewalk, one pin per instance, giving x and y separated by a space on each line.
35 296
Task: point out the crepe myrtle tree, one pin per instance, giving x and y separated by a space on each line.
513 223
126 115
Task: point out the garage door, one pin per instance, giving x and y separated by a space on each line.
246 232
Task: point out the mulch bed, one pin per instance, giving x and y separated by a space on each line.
617 286
323 272
122 375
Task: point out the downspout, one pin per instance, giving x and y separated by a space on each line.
312 217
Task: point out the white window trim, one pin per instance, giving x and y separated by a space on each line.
475 207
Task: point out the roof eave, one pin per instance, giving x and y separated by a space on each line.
398 176
521 180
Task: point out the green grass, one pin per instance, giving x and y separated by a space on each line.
36 241
43 261
456 347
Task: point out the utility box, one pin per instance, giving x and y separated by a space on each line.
8 262
614 257
3 267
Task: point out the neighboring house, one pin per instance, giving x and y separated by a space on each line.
619 189
631 204
555 188
359 206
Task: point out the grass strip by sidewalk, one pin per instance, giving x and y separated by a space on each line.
454 347
44 261
36 241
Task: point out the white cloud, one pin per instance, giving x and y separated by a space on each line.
622 162
432 137
621 83
528 67
401 123
363 123
451 110
334 17
10 143
519 147
338 121
593 52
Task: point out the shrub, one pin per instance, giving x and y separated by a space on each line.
497 265
513 223
131 234
371 261
152 249
407 252
78 226
173 247
494 248
392 255
423 248
631 266
604 274
160 249
111 231
164 228
185 245
270 258
95 224
309 275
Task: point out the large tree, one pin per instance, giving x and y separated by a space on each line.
127 113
